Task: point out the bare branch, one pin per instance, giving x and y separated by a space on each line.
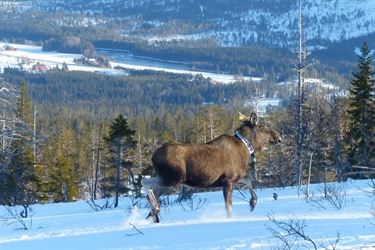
138 231
293 229
333 244
14 216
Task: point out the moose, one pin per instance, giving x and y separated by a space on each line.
218 163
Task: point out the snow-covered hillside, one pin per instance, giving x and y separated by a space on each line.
232 23
188 226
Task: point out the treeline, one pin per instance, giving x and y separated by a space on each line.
272 64
74 45
144 93
249 61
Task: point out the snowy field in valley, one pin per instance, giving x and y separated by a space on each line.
51 59
186 226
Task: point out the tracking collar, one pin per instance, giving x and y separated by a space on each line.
247 143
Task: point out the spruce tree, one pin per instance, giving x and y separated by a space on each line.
361 112
60 180
120 141
23 106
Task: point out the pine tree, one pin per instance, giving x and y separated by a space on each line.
360 134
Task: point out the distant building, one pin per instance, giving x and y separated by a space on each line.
10 48
39 67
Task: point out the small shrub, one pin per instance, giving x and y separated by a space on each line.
22 216
193 203
104 204
334 193
291 231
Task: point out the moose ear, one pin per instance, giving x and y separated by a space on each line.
254 119
243 117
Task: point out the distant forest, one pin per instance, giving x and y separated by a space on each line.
139 93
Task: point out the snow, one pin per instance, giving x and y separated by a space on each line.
77 226
51 59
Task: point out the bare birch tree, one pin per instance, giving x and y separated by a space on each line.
301 79
8 133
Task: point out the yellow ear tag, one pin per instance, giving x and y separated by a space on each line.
241 117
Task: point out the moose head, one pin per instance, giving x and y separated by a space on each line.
259 135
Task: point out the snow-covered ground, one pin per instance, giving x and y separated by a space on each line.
78 226
34 54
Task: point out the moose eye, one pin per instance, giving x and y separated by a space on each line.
262 128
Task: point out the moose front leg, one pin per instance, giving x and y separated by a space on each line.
253 201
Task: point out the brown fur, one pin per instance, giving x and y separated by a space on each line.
218 163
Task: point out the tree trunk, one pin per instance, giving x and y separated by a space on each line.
309 176
97 163
337 144
133 180
65 192
119 154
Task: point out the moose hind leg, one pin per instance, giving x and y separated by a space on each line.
150 186
154 206
228 192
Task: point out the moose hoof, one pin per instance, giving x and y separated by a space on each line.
148 216
156 218
154 215
252 204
